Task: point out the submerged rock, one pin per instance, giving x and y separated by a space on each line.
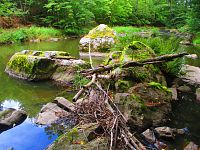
100 38
10 118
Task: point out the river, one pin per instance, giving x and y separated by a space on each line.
30 96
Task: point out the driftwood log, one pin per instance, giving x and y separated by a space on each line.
156 60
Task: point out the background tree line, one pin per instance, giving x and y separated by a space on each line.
74 15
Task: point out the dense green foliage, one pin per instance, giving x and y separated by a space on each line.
74 15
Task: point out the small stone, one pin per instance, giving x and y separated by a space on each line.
165 132
184 89
149 136
36 53
25 51
64 103
191 146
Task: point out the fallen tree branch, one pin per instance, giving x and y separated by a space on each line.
84 87
156 60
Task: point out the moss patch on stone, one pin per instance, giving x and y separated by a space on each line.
79 138
98 33
30 67
149 93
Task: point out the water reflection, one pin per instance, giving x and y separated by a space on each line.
11 104
26 136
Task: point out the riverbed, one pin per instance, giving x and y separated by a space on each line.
30 96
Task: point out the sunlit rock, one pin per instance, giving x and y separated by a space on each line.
100 38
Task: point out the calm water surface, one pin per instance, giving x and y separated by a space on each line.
29 96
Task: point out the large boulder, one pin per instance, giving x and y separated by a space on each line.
144 105
31 65
10 118
44 65
100 38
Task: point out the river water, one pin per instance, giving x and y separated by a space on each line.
30 96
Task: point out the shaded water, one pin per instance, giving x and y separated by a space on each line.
186 112
29 96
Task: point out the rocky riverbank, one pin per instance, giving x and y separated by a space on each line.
125 99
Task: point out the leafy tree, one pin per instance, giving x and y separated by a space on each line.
194 20
70 15
9 8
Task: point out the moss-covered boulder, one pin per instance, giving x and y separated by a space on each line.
30 65
83 137
43 65
100 39
136 51
145 105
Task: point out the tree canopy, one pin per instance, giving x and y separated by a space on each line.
73 15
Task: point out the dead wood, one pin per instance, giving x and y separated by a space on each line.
156 60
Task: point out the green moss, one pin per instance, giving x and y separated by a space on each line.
122 85
140 74
139 101
31 67
95 33
79 81
159 86
19 63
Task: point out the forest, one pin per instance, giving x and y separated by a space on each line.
73 16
